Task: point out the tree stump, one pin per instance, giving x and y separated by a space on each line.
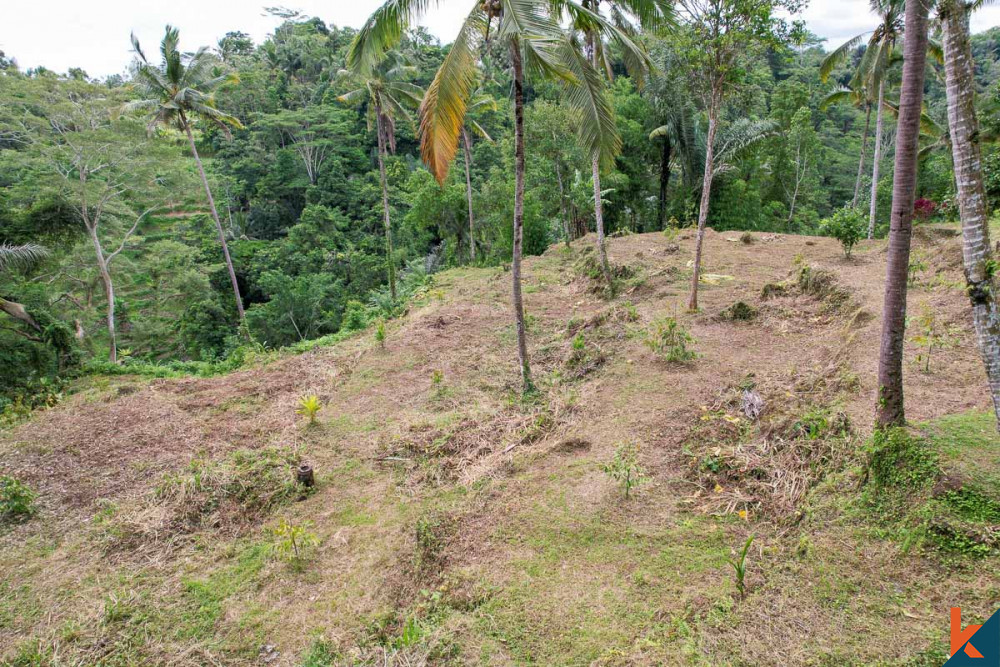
304 475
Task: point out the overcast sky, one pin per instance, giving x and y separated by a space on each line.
60 34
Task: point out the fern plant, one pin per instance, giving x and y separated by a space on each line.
309 406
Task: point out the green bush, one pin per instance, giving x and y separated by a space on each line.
17 501
671 341
847 225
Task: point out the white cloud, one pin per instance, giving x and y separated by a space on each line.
60 34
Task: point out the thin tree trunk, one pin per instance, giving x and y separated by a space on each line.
664 182
967 157
602 250
562 204
864 150
468 194
706 195
873 206
109 293
215 217
390 263
522 343
889 411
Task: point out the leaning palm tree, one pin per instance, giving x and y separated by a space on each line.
14 257
537 46
177 92
980 265
387 95
480 101
872 74
598 34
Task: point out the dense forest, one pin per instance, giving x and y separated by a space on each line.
292 141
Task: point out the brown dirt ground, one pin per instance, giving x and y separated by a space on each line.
534 533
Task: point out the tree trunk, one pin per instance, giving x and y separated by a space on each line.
522 343
468 194
864 150
664 182
215 217
890 410
878 160
562 204
602 249
967 156
19 312
389 261
706 195
109 292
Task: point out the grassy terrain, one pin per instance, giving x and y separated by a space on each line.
454 523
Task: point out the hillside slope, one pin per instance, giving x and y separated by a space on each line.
457 524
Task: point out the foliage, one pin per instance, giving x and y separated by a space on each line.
625 468
739 565
17 501
309 406
671 341
847 225
292 540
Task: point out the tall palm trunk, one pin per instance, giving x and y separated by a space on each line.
468 194
602 249
967 157
215 217
873 206
706 196
889 411
661 214
864 151
389 262
522 343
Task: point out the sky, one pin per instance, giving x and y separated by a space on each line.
94 35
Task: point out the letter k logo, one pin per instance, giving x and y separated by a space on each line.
960 637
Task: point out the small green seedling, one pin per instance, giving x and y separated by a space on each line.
740 567
579 344
17 501
625 469
437 379
292 540
309 406
380 333
671 341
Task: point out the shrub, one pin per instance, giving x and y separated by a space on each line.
292 540
848 226
17 501
309 406
671 341
380 333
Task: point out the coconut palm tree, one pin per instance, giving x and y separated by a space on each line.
871 74
889 410
858 95
479 101
20 257
387 95
537 46
980 265
179 91
598 33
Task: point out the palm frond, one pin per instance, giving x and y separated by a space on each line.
382 31
20 256
586 93
839 55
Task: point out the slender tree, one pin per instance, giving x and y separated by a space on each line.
177 92
388 94
719 36
859 96
479 101
537 46
980 265
890 410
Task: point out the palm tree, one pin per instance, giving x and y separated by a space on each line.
858 95
537 46
479 101
382 87
178 91
598 31
889 411
20 257
980 266
871 75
